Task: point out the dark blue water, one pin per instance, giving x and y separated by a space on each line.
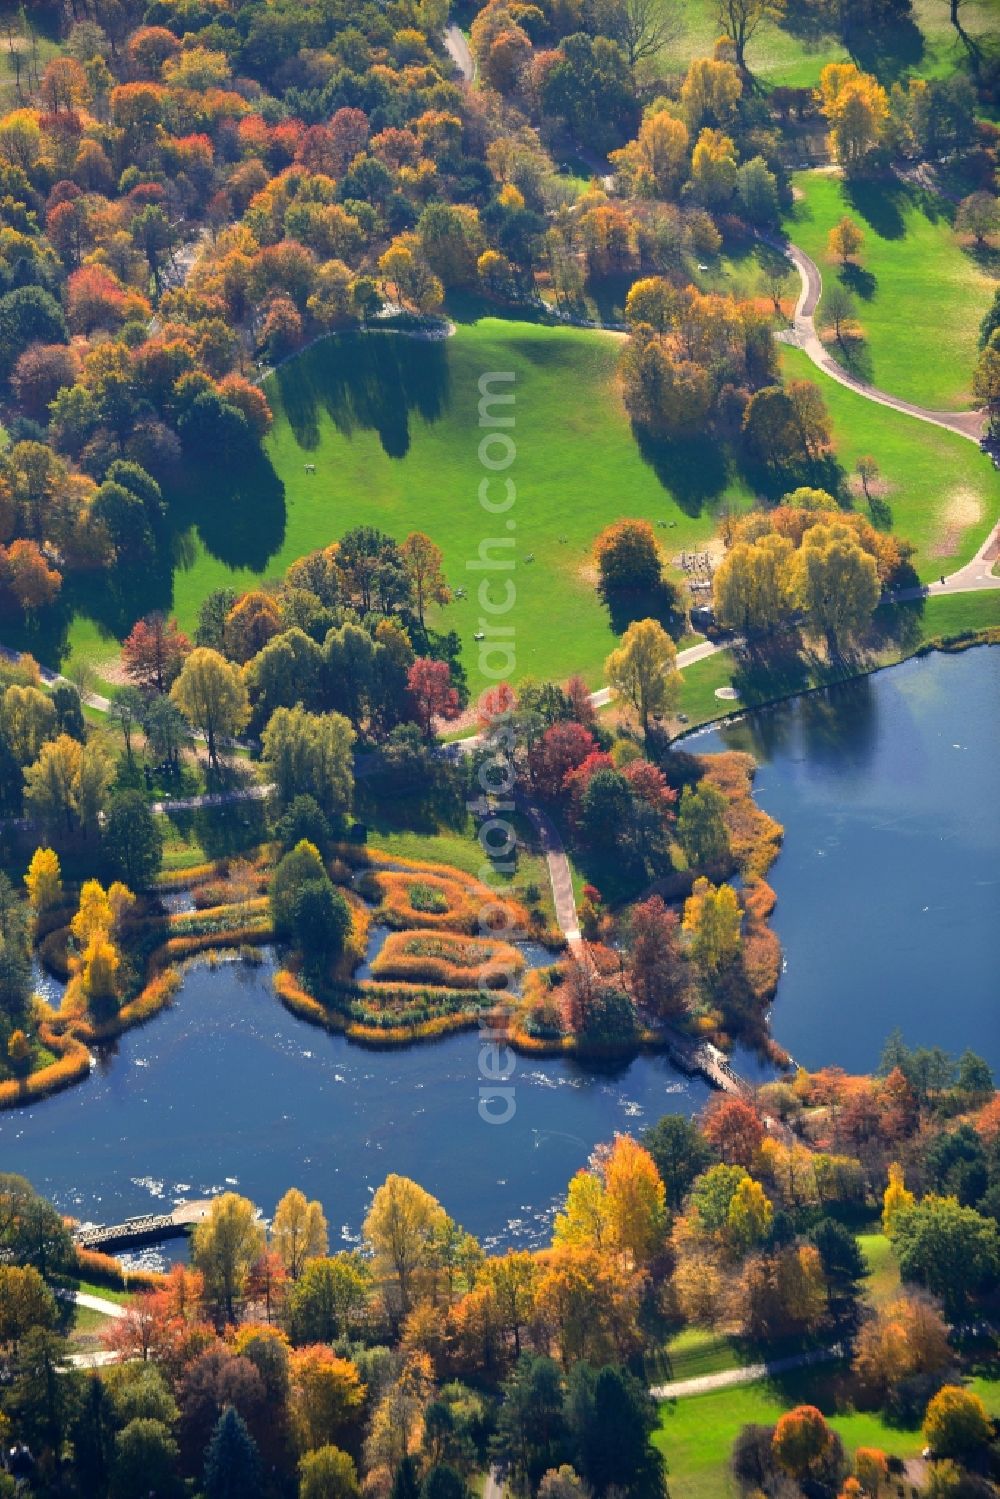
888 899
889 880
227 1089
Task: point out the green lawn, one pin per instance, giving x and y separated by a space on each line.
882 1282
942 493
691 1353
901 629
910 263
929 46
696 1434
392 426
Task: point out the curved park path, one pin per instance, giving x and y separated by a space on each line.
804 336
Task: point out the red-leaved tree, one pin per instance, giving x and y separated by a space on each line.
431 693
154 652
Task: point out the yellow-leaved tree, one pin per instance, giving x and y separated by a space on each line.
896 1197
43 881
712 920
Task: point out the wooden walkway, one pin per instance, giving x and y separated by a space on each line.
148 1228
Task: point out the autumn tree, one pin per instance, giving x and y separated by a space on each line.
224 1247
956 1423
845 240
712 923
734 1129
628 557
325 1394
67 787
836 582
26 575
656 961
856 107
43 881
401 1226
212 695
740 20
806 1447
153 653
423 561
752 587
328 1473
896 1197
431 693
643 670
298 1232
906 1337
310 753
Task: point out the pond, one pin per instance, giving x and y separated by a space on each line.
228 1090
888 898
888 884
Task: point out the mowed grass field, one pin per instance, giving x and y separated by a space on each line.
920 295
941 492
927 45
392 426
696 1434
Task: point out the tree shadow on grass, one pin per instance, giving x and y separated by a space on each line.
115 597
626 605
774 482
775 667
694 470
365 382
880 203
223 832
854 352
986 257
888 51
239 512
861 282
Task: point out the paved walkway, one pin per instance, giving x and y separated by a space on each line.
458 50
93 1303
727 1379
968 424
560 874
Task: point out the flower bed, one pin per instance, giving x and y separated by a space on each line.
445 958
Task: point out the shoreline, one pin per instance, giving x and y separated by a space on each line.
69 1036
948 645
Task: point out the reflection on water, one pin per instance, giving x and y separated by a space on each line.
888 895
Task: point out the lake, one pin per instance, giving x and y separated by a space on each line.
888 899
226 1089
888 884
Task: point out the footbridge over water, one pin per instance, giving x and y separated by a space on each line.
148 1228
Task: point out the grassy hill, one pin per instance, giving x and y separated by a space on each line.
920 296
